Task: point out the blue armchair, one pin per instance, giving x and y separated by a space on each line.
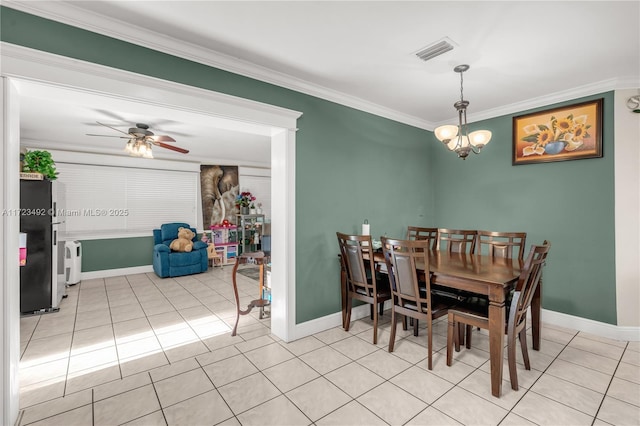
167 263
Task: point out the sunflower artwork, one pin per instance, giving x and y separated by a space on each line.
566 133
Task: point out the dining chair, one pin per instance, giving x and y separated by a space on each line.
364 283
410 298
501 244
419 233
477 313
456 240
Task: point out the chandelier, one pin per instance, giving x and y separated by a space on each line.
139 148
457 138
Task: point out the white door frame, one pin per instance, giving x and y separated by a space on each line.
20 63
10 291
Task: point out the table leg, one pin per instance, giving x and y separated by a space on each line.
496 339
261 289
343 292
536 308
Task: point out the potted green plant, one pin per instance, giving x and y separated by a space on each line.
40 162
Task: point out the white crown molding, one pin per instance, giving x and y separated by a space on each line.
556 97
67 13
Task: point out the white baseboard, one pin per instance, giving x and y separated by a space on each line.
597 328
559 319
115 272
317 325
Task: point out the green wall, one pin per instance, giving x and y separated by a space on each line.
569 203
352 165
116 253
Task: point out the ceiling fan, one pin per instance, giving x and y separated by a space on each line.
141 140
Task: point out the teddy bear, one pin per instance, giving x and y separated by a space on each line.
184 241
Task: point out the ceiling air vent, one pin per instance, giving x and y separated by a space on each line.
435 49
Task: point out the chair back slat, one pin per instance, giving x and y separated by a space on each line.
418 233
528 283
501 244
360 272
401 257
456 240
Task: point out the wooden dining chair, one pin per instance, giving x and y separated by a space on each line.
364 283
456 240
418 233
501 244
477 313
506 245
410 298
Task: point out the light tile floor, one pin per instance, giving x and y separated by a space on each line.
140 350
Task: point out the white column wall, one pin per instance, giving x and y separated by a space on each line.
627 210
9 259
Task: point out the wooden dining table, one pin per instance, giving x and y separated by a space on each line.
484 275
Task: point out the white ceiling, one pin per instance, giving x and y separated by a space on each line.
59 118
361 53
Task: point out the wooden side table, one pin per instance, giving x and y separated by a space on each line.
259 259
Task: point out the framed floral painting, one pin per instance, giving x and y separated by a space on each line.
567 133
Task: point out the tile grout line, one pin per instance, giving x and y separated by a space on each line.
557 357
216 389
613 376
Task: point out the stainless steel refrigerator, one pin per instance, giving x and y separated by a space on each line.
41 287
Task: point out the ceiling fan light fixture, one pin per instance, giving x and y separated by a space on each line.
141 140
129 147
457 138
139 148
147 154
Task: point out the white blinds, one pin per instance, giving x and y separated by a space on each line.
101 199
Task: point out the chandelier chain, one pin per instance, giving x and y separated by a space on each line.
459 139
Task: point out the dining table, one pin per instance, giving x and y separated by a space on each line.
490 276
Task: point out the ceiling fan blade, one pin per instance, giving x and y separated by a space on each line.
171 147
117 130
162 138
110 114
110 136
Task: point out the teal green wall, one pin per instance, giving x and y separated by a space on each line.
116 253
352 165
569 203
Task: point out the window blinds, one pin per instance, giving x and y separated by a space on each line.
102 199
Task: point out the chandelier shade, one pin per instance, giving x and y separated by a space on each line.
457 138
